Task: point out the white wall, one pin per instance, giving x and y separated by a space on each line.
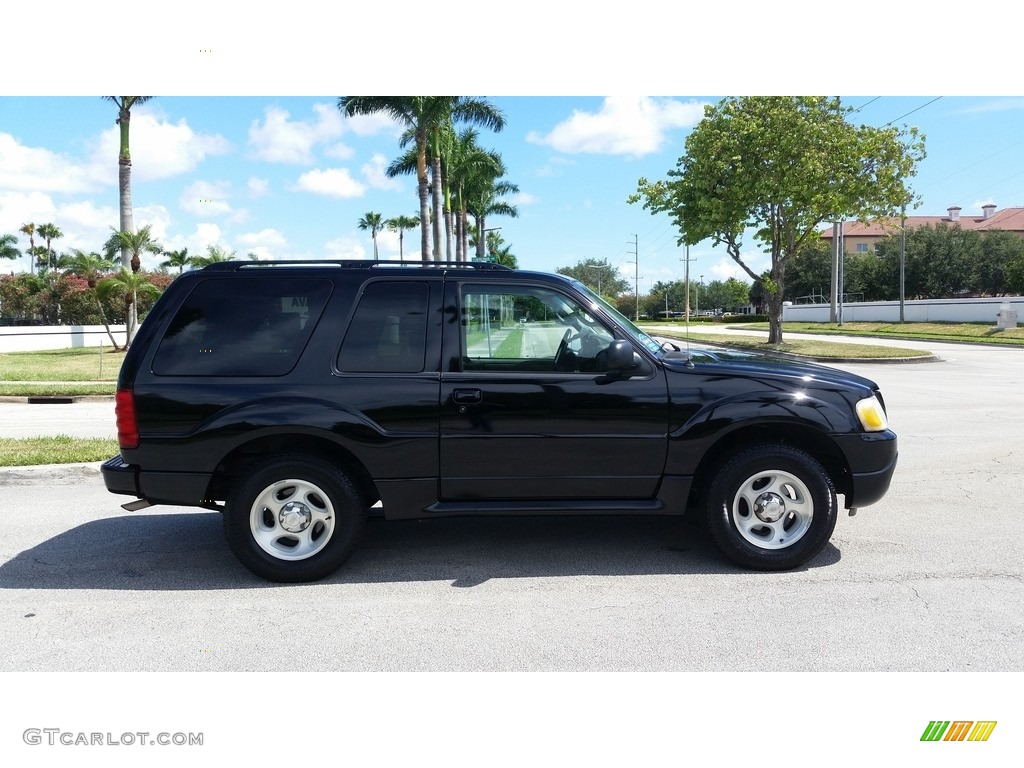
36 337
917 311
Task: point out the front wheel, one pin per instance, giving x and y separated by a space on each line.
294 519
771 507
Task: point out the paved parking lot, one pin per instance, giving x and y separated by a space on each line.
931 578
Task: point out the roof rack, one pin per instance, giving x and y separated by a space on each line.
234 266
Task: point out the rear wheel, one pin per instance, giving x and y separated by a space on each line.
293 519
772 507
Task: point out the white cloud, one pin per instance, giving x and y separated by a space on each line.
258 187
339 151
371 125
160 149
206 198
334 182
633 126
20 208
279 139
33 169
345 248
375 173
523 198
265 238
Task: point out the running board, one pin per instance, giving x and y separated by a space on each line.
548 507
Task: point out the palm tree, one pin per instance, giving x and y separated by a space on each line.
30 230
179 259
375 223
128 286
399 224
8 248
468 166
214 253
49 232
124 164
424 117
134 244
485 200
90 266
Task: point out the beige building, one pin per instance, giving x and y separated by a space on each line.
859 237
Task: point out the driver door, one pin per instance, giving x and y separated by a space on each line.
528 409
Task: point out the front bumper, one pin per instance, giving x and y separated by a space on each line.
872 459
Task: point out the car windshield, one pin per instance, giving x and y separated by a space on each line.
624 322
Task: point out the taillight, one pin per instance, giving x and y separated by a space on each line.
127 426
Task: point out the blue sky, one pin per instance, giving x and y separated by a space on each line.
290 177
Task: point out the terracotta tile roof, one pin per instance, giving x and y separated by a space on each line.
1008 220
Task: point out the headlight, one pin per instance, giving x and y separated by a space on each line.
872 415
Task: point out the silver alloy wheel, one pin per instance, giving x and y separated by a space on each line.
292 519
772 509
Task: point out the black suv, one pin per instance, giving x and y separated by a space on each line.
293 397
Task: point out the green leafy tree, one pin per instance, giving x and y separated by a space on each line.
1015 275
374 222
780 166
601 277
128 287
124 165
401 224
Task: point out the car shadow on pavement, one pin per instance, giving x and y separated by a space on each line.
188 551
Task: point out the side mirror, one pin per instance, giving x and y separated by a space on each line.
621 356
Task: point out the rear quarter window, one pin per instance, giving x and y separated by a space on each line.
242 327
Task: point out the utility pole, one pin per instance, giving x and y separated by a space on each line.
903 261
834 293
636 275
686 273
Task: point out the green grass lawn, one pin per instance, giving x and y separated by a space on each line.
976 332
60 449
82 364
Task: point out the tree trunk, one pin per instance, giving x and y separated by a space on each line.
421 180
480 247
106 325
435 182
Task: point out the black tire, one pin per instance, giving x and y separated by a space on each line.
771 507
294 519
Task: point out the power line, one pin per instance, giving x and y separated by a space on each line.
911 111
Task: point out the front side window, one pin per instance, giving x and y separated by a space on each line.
241 327
529 329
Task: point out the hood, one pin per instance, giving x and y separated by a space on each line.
708 359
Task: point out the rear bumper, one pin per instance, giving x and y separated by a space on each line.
120 477
178 488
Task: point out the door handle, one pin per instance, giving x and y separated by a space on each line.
467 396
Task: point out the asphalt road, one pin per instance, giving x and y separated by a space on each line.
929 579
